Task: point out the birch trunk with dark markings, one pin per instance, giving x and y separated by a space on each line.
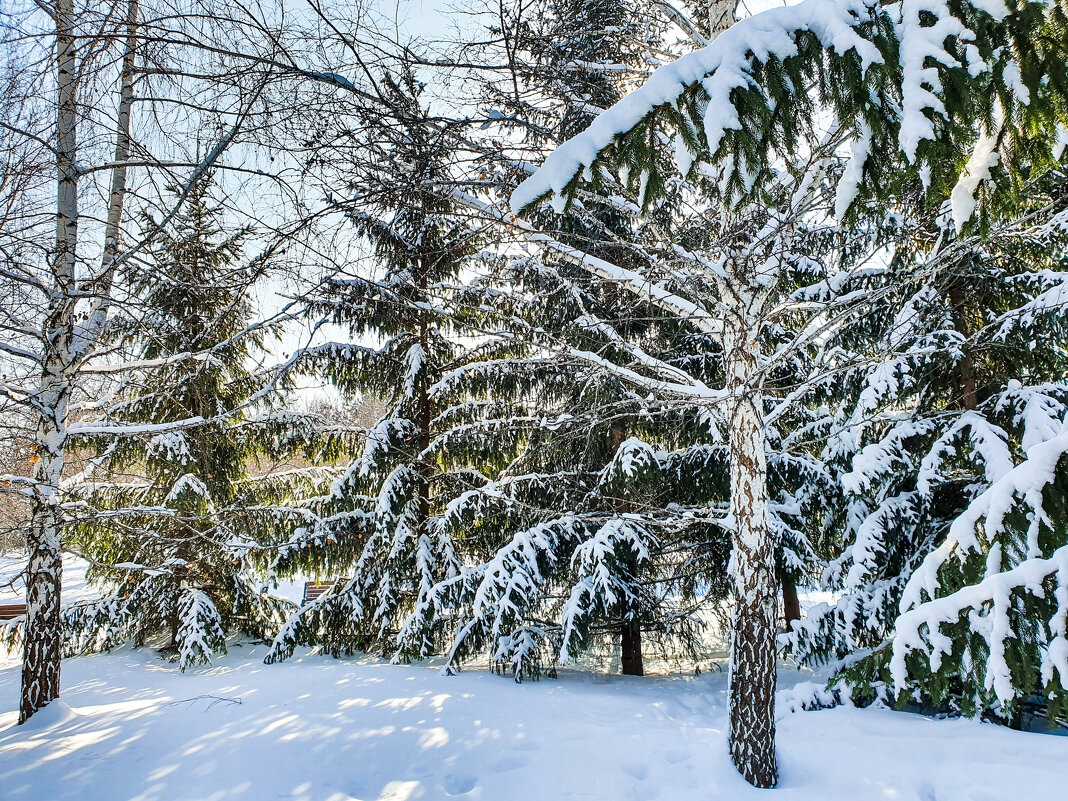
751 681
65 345
721 16
42 646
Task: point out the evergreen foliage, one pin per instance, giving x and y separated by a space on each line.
971 380
596 531
953 120
378 532
785 310
167 537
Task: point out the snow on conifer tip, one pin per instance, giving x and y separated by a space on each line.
720 67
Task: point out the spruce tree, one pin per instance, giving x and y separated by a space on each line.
167 537
377 532
603 470
964 376
971 381
752 94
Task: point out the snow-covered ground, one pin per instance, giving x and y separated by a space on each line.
75 587
131 727
319 729
13 587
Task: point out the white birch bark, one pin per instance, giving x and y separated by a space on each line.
64 347
117 195
42 649
720 16
751 682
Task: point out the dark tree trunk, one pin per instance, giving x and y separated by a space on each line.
968 391
425 412
791 606
174 619
631 663
969 399
632 649
181 573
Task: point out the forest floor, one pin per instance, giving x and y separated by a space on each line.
131 727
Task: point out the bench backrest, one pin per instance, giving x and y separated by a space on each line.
9 611
313 589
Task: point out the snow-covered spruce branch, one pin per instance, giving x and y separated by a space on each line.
1023 483
635 283
1019 505
919 629
846 30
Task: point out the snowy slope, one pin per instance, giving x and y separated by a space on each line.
75 588
13 588
318 729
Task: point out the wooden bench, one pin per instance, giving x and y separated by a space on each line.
11 610
313 589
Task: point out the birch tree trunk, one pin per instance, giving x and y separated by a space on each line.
43 644
720 16
751 681
117 195
42 650
64 347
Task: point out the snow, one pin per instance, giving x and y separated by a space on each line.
996 590
133 728
192 484
1042 413
984 157
75 588
635 283
684 158
292 589
171 446
926 30
720 67
599 585
632 458
923 47
414 364
1025 481
989 442
200 627
921 620
849 184
1061 141
13 587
